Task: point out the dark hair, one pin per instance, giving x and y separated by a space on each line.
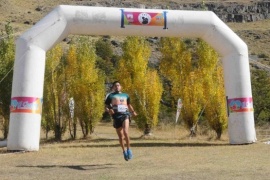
115 83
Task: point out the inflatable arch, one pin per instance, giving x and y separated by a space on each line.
31 47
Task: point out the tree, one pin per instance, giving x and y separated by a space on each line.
211 74
261 95
71 70
192 100
7 51
176 66
103 49
142 84
85 84
105 57
91 87
149 100
55 102
199 83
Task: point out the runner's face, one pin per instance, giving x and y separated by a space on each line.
117 87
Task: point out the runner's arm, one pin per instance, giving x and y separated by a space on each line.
108 107
131 109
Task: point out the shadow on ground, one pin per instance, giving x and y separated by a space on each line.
76 167
144 144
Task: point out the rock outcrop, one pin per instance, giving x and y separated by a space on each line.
227 11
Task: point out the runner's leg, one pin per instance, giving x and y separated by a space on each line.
126 134
125 129
121 137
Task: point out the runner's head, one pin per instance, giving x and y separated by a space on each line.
116 86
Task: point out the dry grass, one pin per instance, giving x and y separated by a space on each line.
255 34
162 157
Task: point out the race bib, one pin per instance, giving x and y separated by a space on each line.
121 108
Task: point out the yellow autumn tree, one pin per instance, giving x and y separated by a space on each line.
213 88
151 102
86 85
54 102
176 66
143 85
70 73
192 95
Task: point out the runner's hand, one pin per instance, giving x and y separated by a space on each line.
134 113
111 112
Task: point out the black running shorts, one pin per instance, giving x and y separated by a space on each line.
118 119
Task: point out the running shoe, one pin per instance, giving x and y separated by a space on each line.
129 153
125 155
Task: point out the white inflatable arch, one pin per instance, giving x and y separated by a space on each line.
31 47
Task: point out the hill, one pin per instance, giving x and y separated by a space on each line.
24 14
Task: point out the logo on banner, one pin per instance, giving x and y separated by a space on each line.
144 18
138 18
26 105
240 105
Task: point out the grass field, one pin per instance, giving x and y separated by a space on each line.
169 154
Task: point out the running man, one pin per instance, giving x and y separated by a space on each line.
119 107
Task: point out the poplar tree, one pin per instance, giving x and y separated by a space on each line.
71 70
91 90
142 84
213 88
199 83
85 84
150 102
54 116
192 100
176 65
7 51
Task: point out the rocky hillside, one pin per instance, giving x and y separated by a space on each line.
249 19
228 11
